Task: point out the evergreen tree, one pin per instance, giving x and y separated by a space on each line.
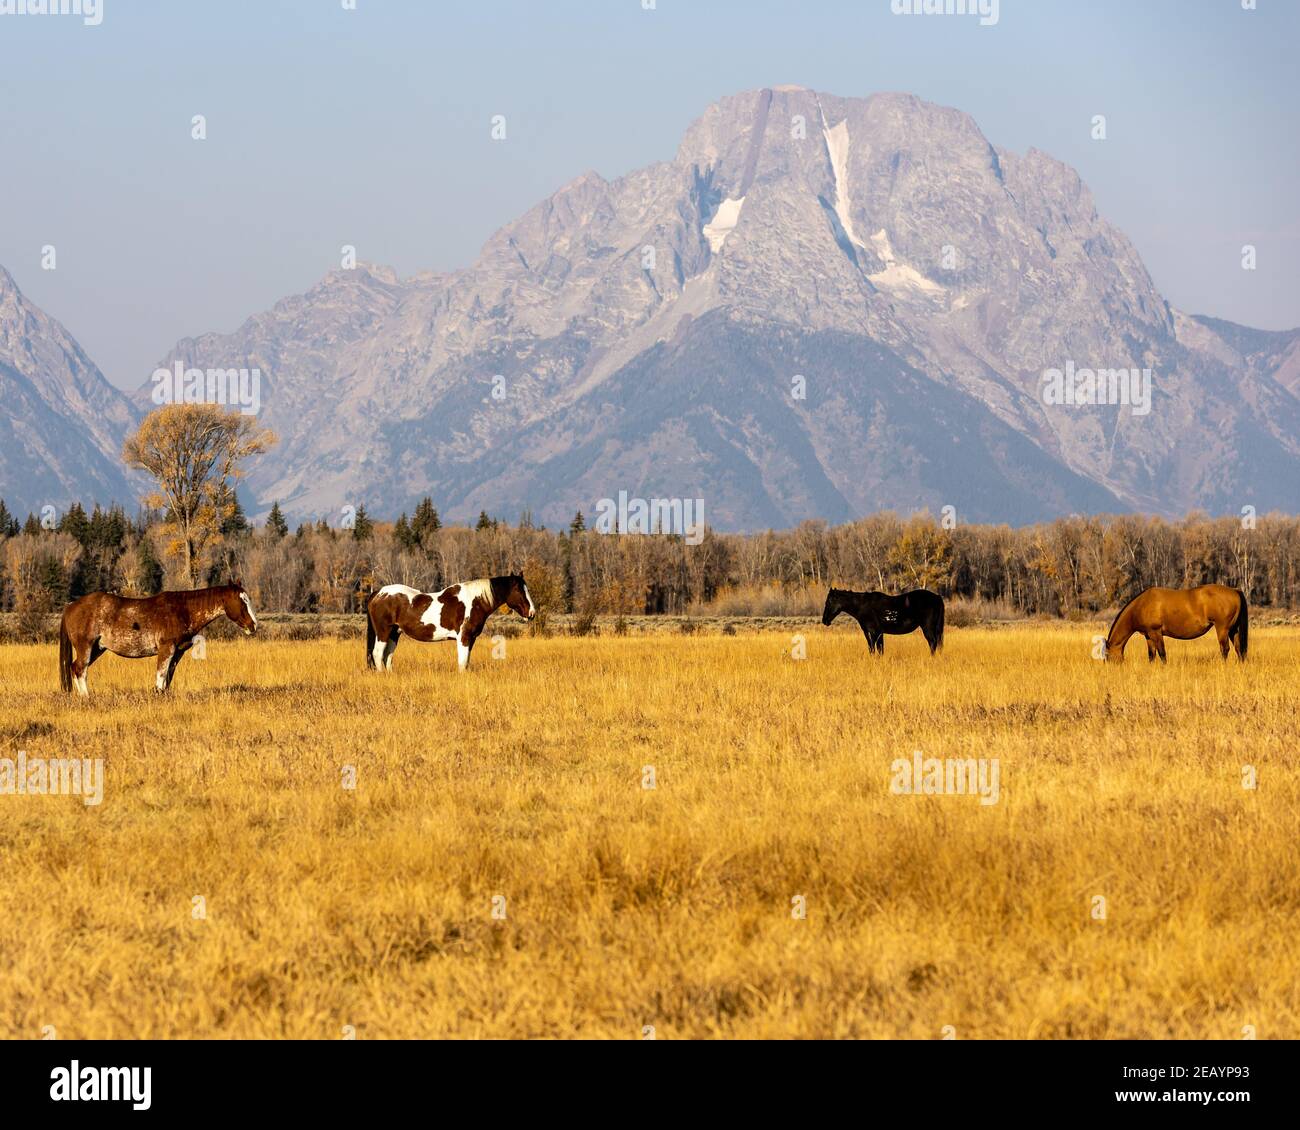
150 579
8 523
101 538
426 520
363 528
578 525
484 522
76 523
275 523
32 525
403 533
108 530
53 580
233 521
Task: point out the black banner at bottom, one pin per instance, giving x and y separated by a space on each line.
338 1079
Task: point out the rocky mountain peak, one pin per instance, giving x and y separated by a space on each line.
788 215
61 423
645 334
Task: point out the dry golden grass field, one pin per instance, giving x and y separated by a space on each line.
501 870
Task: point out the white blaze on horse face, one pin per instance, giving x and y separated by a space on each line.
79 681
251 615
532 608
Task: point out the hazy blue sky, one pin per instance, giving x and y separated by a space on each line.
371 127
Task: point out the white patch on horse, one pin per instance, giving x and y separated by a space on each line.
249 605
470 591
133 643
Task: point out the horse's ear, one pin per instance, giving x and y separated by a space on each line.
239 584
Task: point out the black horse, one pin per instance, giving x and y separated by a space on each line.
880 615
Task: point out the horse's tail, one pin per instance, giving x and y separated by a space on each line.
1241 627
370 634
65 655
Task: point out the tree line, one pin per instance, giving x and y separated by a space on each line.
1073 567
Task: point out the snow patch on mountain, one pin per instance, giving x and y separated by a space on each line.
899 276
837 145
723 223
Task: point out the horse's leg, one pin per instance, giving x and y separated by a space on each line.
82 657
380 649
464 645
877 643
1151 650
931 636
169 654
1158 638
1221 630
180 649
384 661
96 650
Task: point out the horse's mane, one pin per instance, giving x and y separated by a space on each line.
1120 613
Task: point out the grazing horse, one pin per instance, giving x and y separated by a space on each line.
457 612
164 625
1181 614
880 615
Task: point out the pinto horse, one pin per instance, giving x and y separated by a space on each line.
457 612
880 615
164 625
1181 614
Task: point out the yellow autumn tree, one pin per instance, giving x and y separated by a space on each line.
922 556
194 453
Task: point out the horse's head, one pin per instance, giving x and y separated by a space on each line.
834 606
518 598
236 605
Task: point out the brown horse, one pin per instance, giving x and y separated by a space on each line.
164 625
1181 614
457 612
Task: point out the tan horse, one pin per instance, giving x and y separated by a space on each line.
1181 614
164 626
